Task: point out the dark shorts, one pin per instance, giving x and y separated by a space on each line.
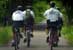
52 24
18 23
29 25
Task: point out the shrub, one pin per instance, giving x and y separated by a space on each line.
5 35
68 34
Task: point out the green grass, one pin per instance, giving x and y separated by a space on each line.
68 34
5 35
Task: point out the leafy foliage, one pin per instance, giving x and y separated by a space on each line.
3 10
67 31
5 35
39 8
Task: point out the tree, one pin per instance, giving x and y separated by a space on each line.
69 9
3 9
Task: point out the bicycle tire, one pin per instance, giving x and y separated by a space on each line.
51 46
16 43
28 39
51 40
17 39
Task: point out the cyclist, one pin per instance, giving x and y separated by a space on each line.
17 21
29 14
52 16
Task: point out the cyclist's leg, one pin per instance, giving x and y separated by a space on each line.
60 31
48 29
13 42
15 33
25 28
22 29
15 29
20 25
18 34
48 34
60 23
48 26
31 26
28 24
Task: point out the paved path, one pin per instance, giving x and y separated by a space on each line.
39 43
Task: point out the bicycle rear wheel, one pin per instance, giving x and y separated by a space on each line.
16 43
51 47
51 43
51 40
17 40
28 39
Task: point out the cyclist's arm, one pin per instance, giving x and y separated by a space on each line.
46 14
32 13
24 13
33 16
13 14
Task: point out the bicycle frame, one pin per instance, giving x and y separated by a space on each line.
53 37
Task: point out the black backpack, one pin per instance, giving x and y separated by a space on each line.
29 18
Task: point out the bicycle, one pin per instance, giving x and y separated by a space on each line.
28 36
17 38
53 39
